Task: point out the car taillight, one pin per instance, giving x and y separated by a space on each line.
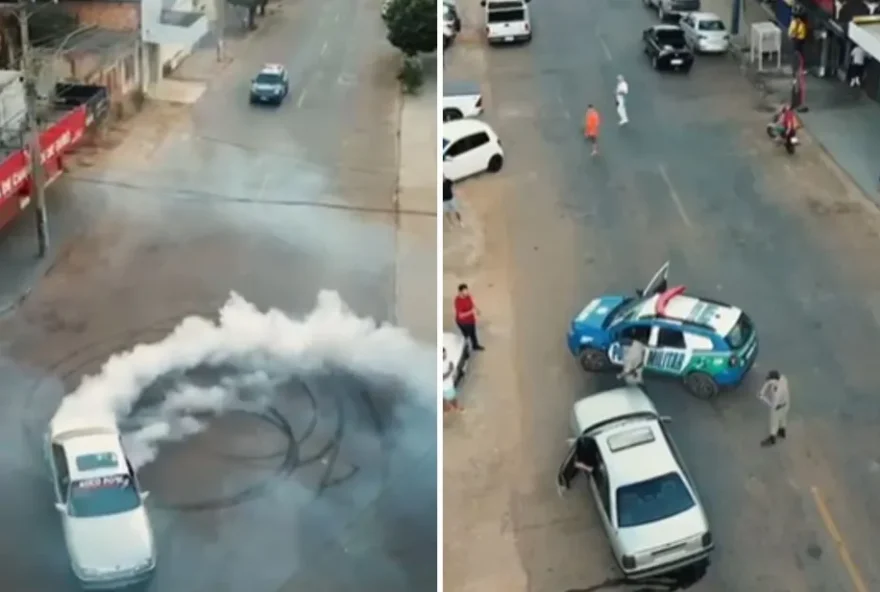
628 562
734 361
707 539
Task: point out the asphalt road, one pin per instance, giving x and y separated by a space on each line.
276 204
693 180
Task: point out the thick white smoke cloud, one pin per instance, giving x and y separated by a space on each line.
268 347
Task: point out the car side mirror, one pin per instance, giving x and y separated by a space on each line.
60 507
145 495
665 419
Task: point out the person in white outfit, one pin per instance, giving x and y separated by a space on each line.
774 393
633 363
856 66
620 94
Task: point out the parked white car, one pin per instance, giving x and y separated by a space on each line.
456 354
451 22
106 528
507 21
461 99
646 500
470 147
705 32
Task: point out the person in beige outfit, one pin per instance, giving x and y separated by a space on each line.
633 363
775 394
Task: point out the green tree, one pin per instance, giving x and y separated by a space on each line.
412 25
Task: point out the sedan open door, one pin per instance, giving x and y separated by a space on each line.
658 283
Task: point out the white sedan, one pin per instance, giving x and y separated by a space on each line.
705 32
456 353
646 500
106 528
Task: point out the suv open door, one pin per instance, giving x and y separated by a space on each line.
658 282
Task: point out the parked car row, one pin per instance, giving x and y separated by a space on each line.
673 46
470 146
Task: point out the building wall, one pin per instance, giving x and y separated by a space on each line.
121 77
116 16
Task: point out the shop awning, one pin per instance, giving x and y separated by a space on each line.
865 32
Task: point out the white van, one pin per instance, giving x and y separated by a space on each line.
470 147
507 21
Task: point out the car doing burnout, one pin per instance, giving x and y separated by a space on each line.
106 528
708 344
645 498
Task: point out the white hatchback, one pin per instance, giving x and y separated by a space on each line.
106 528
705 32
647 502
470 147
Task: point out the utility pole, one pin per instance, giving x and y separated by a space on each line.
221 28
37 173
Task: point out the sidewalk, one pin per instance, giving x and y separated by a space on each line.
844 122
416 204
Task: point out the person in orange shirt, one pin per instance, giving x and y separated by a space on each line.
591 128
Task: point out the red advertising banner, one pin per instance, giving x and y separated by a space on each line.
14 169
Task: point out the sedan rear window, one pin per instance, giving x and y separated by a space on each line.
711 26
506 16
652 500
741 332
671 37
103 496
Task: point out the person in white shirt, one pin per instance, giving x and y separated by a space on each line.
633 363
620 94
856 66
775 394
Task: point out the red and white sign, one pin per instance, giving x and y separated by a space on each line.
15 170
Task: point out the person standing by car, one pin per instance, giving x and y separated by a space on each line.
633 363
592 121
466 316
450 393
450 206
775 394
620 94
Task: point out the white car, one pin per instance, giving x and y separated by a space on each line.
106 528
507 21
705 32
646 500
461 99
456 354
470 147
451 22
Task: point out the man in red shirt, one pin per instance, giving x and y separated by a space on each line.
466 316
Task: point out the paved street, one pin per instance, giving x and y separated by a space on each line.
694 180
275 204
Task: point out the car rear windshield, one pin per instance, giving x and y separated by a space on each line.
506 16
671 37
711 26
103 496
268 79
686 5
652 500
741 332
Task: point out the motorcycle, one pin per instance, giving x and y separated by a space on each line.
777 133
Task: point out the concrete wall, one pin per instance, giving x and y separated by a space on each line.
121 77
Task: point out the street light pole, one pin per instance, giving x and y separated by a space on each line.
37 185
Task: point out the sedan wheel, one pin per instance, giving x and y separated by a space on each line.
701 385
594 360
495 163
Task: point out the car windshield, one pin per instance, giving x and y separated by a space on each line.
265 78
711 26
506 16
741 332
103 496
671 37
625 311
652 500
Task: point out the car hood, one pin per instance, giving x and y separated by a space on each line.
689 524
118 542
590 320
